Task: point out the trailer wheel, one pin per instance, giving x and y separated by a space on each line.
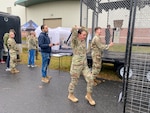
120 71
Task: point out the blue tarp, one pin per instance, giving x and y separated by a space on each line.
30 25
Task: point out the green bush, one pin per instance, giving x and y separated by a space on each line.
24 38
24 49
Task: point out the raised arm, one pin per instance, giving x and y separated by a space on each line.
74 36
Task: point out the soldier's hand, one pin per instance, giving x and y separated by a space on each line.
77 27
111 44
57 44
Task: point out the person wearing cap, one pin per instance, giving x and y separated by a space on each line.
32 44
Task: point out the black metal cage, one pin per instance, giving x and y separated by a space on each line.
130 29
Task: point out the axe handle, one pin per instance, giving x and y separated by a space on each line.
68 38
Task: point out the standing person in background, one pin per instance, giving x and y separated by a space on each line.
45 44
79 64
1 51
32 44
37 48
13 49
5 38
107 35
97 47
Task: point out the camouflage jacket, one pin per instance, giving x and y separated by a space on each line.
11 43
5 38
32 43
97 46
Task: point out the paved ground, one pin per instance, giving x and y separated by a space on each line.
24 93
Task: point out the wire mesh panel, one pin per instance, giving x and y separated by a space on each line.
138 86
138 94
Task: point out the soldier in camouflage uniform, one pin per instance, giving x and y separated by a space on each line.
97 47
79 64
13 49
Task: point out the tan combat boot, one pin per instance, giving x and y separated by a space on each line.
96 82
72 97
89 98
12 71
45 80
16 71
49 77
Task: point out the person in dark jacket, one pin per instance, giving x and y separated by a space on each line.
5 38
45 44
107 35
1 52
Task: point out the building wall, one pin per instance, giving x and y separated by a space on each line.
69 11
8 6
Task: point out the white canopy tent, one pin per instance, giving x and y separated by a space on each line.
57 35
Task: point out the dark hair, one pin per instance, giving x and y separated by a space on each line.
97 28
31 32
108 25
81 30
42 26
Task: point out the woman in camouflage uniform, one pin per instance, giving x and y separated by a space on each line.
79 64
13 49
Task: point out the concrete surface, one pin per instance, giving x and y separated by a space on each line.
25 93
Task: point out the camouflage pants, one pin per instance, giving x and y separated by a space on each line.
13 60
78 67
96 66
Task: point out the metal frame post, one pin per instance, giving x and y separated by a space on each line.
81 12
133 5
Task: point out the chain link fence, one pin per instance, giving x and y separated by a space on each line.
106 12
